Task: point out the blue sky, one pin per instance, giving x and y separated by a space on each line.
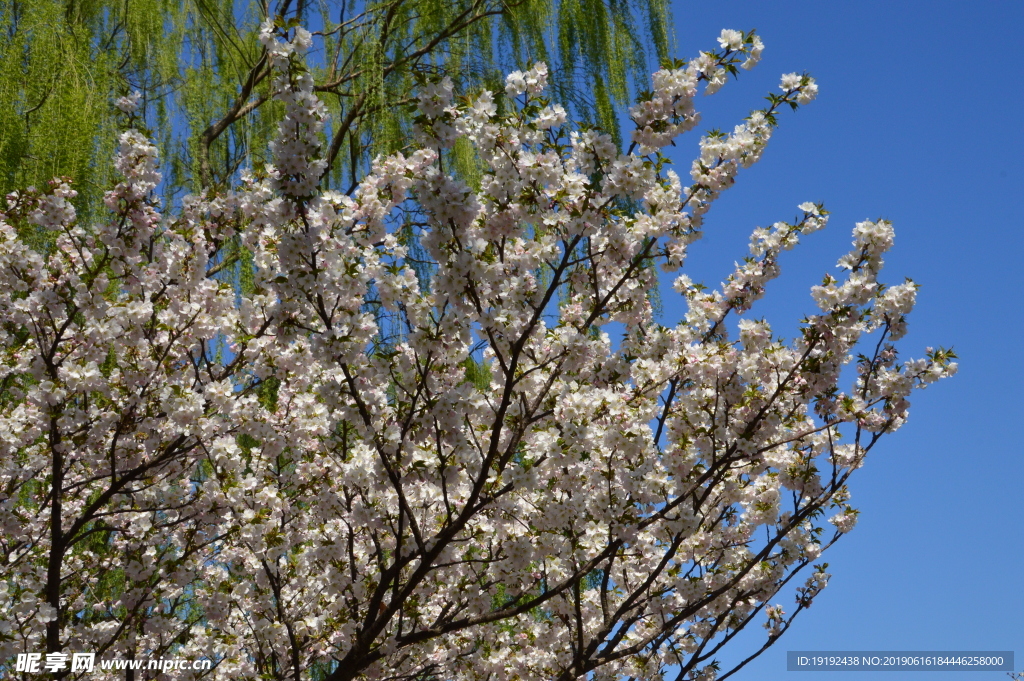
918 121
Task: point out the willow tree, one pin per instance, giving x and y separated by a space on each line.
204 76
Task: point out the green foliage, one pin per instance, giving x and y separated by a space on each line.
267 392
478 373
206 85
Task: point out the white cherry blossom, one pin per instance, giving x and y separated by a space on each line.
410 447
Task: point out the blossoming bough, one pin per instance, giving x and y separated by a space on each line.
299 481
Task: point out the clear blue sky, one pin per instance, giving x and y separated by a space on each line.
920 119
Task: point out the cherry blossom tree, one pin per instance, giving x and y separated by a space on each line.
409 450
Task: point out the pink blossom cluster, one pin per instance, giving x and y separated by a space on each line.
302 479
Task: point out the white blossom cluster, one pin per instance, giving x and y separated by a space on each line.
360 467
